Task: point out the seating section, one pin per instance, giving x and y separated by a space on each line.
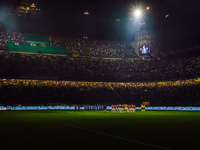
44 92
47 49
94 78
21 47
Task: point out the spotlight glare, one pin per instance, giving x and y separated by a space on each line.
138 13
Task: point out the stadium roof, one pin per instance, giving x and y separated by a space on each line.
188 52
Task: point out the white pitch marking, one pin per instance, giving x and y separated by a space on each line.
106 134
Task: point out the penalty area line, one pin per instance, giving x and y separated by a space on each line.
117 137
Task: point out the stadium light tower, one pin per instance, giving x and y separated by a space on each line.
144 42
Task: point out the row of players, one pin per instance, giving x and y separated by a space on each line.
123 108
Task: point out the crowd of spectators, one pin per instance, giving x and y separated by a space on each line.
93 84
95 48
31 75
31 66
78 46
14 37
166 93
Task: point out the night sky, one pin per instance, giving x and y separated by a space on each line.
65 18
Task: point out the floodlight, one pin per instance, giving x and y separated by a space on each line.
137 13
86 13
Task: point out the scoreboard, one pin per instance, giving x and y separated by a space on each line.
145 49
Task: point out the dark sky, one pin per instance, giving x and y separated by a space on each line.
65 17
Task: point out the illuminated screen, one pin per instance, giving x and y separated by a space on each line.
145 49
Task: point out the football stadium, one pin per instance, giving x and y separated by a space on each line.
61 92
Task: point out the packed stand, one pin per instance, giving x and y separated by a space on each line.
14 37
34 66
95 48
42 92
77 46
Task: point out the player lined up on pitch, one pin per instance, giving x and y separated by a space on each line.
121 108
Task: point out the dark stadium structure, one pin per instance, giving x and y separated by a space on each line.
93 62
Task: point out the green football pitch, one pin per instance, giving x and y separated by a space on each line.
99 130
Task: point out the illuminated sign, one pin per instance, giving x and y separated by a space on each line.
145 49
88 107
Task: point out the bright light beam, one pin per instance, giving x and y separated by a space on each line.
138 13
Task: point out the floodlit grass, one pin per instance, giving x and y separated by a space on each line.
96 129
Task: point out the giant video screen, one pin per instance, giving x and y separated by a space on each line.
145 49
